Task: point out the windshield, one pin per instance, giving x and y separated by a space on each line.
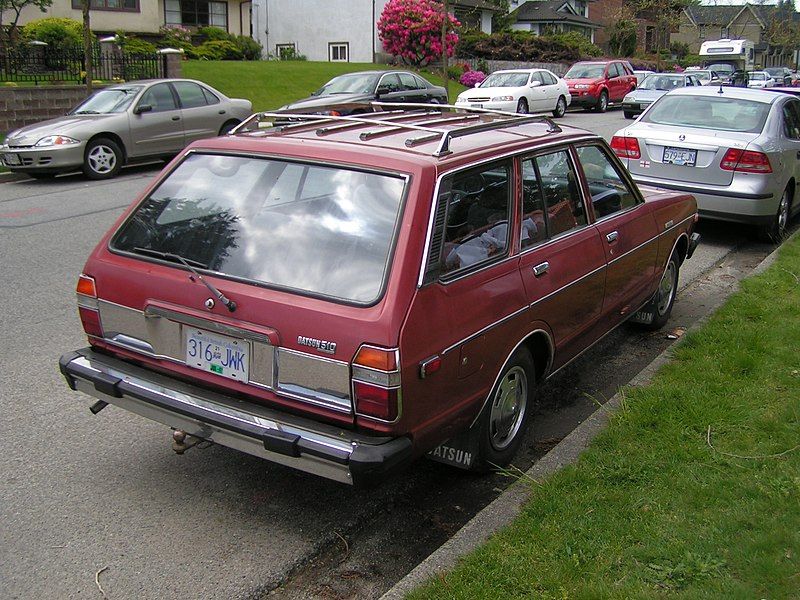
702 75
114 100
355 83
722 68
706 112
505 80
662 82
315 229
585 72
757 75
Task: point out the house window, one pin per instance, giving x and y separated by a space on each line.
125 5
286 51
196 13
339 52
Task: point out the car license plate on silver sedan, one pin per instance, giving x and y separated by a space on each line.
220 354
680 156
12 160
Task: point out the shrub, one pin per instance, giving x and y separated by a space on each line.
217 50
456 71
467 41
289 53
176 36
60 34
579 42
470 78
622 37
132 45
525 46
412 30
249 47
679 49
215 34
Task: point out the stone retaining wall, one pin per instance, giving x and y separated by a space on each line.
21 106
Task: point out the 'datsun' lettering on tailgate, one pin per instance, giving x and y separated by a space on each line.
321 345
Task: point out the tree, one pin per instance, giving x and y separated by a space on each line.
87 45
412 31
16 7
665 14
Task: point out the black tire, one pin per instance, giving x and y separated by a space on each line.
522 106
507 412
102 159
561 107
664 299
776 229
602 102
227 126
628 114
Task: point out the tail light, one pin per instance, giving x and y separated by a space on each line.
625 147
745 161
87 306
376 383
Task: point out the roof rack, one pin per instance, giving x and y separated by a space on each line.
396 120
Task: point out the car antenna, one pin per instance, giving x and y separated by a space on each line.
720 88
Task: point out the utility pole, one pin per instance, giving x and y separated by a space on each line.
87 46
445 22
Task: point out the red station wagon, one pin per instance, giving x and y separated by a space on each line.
342 295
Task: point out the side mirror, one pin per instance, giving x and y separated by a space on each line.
142 108
382 89
535 83
477 85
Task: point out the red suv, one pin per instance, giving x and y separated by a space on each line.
594 84
342 295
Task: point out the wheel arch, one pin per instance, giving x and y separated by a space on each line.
114 138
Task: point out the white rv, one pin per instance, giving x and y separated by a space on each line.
731 59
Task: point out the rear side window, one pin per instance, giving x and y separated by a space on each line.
478 204
319 230
190 94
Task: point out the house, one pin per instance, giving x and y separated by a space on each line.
148 16
554 16
340 30
747 21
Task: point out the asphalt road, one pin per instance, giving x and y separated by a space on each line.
87 499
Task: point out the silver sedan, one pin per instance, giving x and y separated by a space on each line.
735 149
122 124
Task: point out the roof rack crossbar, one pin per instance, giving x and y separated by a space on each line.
444 145
368 135
312 119
394 115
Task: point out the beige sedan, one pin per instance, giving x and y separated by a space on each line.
121 124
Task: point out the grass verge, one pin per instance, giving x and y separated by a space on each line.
271 84
693 491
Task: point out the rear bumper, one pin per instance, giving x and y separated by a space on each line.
306 445
583 99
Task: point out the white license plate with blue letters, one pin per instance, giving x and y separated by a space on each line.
220 354
680 156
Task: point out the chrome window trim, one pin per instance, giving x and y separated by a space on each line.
515 154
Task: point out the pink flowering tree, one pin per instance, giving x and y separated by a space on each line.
412 30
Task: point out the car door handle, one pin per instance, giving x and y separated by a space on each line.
176 118
222 112
612 237
541 269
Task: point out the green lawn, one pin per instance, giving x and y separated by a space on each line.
271 84
694 489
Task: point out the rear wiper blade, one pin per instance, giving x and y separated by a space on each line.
227 302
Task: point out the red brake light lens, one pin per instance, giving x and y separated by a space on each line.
375 401
626 147
745 161
90 319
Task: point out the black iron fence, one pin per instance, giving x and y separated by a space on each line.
38 64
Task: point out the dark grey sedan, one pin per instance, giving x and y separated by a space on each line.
122 124
351 93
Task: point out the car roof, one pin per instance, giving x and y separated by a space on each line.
519 71
401 137
757 95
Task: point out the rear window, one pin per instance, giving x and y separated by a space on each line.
319 230
720 113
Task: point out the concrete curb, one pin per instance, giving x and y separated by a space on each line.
503 510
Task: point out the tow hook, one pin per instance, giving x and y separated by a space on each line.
180 444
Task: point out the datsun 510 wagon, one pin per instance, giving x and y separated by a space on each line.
342 295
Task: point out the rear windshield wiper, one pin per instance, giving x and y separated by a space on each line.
227 302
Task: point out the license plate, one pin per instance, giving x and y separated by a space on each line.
220 354
12 160
476 105
680 156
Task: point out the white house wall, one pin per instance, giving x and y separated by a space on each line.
313 24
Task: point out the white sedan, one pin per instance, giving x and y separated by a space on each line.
760 79
519 90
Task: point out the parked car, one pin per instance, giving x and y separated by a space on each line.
652 88
640 75
729 75
344 295
122 124
594 84
781 75
735 149
520 90
352 93
706 76
760 79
